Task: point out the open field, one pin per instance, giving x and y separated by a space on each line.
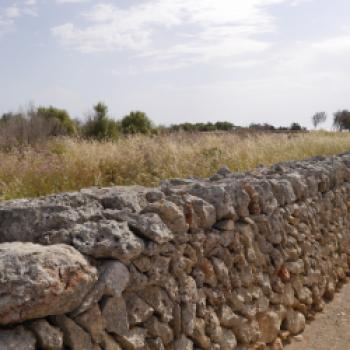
70 164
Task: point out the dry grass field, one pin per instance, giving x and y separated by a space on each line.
71 164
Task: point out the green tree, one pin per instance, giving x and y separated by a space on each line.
187 127
295 127
225 126
99 125
342 120
64 123
205 126
136 123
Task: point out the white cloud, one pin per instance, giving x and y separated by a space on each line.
30 2
336 45
11 14
71 1
198 30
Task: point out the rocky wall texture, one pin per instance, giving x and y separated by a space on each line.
238 261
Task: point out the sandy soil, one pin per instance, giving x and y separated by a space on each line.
331 329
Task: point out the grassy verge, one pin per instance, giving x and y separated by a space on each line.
69 164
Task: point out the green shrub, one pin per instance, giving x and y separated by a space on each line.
65 125
100 126
136 123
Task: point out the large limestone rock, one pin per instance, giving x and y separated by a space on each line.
37 281
148 225
107 239
119 197
27 220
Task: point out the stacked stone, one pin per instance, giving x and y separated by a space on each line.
237 261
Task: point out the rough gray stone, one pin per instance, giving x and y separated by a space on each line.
294 322
17 339
49 337
227 317
283 191
183 343
155 344
106 239
93 323
240 199
109 343
296 267
188 318
115 314
73 335
269 324
221 271
213 328
159 329
37 281
113 279
228 340
159 300
26 221
170 213
135 339
225 225
138 310
199 335
199 213
119 197
148 225
216 196
246 331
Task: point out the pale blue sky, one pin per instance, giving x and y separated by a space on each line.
274 61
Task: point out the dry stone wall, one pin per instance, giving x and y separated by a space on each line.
237 261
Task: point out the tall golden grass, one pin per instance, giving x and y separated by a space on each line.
70 164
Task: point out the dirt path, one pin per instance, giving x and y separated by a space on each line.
331 328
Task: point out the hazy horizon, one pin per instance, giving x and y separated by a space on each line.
244 61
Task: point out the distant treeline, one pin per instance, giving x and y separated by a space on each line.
203 127
39 123
269 127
